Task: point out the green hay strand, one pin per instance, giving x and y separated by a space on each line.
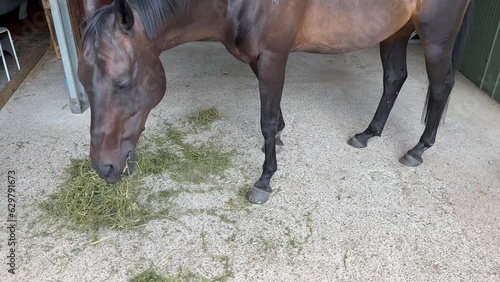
152 276
203 118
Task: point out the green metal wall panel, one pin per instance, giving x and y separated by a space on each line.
496 92
491 80
482 36
481 62
480 41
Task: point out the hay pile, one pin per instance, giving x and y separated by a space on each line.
89 203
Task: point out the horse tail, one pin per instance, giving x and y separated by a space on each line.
458 52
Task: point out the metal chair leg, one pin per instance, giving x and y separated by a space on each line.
4 63
14 50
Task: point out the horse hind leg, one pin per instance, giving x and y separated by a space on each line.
438 33
393 55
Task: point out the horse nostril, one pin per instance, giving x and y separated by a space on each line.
107 170
104 171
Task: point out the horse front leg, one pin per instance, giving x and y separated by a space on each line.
281 124
270 69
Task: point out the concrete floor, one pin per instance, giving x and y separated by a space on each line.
340 214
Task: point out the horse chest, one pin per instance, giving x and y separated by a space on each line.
242 48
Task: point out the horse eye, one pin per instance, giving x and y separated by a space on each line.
121 86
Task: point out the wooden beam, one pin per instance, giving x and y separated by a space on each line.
50 23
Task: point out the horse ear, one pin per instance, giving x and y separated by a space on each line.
90 6
124 14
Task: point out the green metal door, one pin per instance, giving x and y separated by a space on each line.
481 62
491 80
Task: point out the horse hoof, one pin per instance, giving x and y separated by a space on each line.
258 196
356 143
410 160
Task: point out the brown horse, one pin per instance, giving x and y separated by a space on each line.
122 74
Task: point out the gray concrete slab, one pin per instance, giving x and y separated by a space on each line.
340 214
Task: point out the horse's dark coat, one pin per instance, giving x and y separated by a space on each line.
153 14
124 78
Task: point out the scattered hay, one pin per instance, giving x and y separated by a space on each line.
152 276
157 161
184 162
204 118
89 202
200 163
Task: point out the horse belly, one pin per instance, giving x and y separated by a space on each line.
339 26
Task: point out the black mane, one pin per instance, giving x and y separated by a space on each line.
153 13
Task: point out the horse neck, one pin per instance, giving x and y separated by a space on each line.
199 20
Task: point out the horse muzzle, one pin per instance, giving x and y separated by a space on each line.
112 172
